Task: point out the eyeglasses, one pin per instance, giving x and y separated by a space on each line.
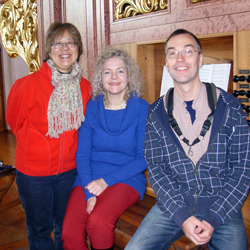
175 53
59 45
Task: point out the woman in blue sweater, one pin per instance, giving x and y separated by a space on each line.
110 161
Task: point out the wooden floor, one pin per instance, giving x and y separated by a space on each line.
13 229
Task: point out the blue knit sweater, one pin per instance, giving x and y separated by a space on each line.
110 145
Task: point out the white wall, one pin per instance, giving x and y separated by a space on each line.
13 69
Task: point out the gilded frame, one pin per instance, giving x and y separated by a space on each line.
128 8
19 31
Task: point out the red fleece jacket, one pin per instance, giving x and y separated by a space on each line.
26 114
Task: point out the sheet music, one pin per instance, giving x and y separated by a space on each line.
221 74
206 72
166 82
217 73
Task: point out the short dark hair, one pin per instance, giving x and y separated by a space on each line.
181 32
56 30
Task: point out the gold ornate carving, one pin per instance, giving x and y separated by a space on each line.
198 1
126 8
18 28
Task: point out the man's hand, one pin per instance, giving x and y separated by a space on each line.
96 187
209 232
197 231
91 204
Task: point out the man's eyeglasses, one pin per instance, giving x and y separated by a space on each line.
185 53
59 45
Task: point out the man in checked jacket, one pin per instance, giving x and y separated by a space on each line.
197 147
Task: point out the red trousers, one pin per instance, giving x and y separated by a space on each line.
99 225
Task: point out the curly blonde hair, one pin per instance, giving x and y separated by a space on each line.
136 81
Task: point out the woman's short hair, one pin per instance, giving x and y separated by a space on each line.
135 79
56 30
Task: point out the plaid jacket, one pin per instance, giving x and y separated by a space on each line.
217 186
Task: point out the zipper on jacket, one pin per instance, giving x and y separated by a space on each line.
196 192
195 170
195 200
62 140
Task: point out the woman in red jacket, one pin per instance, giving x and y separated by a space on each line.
44 111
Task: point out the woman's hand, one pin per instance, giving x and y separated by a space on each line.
96 187
91 204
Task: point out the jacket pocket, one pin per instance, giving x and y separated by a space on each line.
36 153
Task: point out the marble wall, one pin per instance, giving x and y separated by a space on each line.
211 17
